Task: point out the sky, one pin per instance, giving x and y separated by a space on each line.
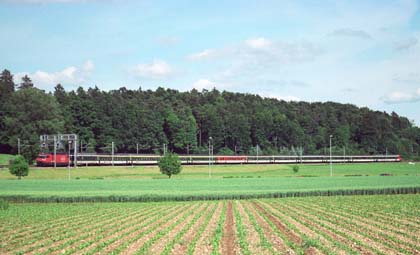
365 53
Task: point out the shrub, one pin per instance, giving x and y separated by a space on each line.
19 167
170 164
226 151
295 168
4 205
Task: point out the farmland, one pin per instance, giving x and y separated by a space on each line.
232 181
339 225
186 189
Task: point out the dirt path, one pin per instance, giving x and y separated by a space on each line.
229 246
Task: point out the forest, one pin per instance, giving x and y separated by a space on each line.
187 122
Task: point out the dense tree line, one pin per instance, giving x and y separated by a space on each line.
185 121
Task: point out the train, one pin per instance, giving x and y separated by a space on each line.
90 159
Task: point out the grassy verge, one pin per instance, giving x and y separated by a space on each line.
4 159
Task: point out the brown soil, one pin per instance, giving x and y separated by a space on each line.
149 220
308 232
277 243
43 233
182 245
49 235
204 242
252 237
399 219
120 228
159 246
131 249
368 230
312 218
228 239
280 226
20 233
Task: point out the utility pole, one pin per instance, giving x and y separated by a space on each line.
331 136
18 146
137 146
75 151
112 151
257 153
210 150
344 152
68 166
55 151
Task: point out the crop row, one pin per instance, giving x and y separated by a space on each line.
328 225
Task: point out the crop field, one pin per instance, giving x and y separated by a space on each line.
316 225
201 189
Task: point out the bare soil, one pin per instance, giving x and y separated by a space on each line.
229 236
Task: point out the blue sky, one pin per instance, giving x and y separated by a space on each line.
365 53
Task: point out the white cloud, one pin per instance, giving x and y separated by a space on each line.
158 69
348 32
258 43
405 44
69 75
396 97
88 66
262 52
205 54
45 1
203 84
279 96
167 40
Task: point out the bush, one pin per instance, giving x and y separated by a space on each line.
4 205
170 164
295 168
225 151
19 167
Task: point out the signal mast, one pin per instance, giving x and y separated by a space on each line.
58 141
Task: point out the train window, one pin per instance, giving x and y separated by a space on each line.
43 156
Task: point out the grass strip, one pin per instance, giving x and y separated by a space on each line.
162 198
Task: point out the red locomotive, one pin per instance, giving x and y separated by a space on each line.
47 159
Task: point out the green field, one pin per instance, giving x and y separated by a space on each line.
227 181
315 225
4 159
205 188
220 171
